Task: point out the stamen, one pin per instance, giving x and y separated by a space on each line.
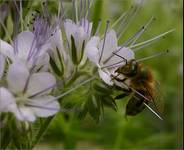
59 9
126 43
19 10
81 9
62 9
119 19
127 20
145 27
51 108
136 36
152 39
75 11
76 87
153 56
103 46
147 44
98 27
72 89
84 24
87 15
45 90
21 18
88 9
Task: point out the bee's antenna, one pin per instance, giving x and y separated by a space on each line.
152 56
113 65
120 57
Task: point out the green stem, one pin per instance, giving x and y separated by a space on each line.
5 134
42 130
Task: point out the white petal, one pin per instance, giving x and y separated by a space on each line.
24 42
2 63
39 82
6 50
127 53
79 37
70 28
110 45
93 54
57 42
86 25
42 63
17 76
91 50
25 114
44 106
93 42
44 49
7 101
124 52
105 76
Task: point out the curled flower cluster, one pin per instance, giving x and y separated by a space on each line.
32 62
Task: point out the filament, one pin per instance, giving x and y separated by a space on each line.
153 56
103 46
152 39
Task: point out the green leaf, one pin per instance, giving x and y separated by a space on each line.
97 14
121 96
61 62
109 101
55 67
102 89
73 51
82 51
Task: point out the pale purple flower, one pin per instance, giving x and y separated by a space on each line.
101 52
21 96
81 33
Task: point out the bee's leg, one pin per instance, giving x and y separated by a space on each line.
118 79
121 96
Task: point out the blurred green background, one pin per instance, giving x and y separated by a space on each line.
144 131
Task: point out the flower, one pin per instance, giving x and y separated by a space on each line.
21 49
80 33
27 96
101 52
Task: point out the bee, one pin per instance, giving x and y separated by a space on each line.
139 81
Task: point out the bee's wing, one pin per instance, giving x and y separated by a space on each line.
135 105
157 102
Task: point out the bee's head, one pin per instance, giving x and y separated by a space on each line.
130 69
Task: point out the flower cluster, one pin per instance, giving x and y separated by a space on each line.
36 59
